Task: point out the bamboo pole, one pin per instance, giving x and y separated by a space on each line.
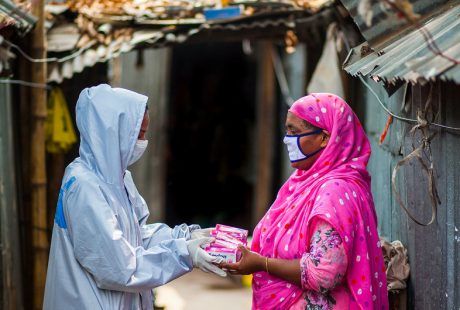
40 242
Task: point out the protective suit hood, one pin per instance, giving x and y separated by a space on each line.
103 253
109 120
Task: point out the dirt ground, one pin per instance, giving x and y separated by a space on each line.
199 290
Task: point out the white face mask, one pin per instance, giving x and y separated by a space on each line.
139 149
293 145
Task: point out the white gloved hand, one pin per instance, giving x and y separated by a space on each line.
202 233
203 260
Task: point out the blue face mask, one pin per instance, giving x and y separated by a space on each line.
293 145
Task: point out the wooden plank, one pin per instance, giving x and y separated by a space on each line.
265 131
54 172
434 250
40 241
10 270
380 159
452 199
425 243
23 127
437 231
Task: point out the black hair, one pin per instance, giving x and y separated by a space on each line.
310 126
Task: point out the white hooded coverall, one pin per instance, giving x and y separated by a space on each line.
103 254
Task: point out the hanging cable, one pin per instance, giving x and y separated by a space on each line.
52 59
397 116
401 118
25 83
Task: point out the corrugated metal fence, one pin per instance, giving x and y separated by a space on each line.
10 292
434 251
151 78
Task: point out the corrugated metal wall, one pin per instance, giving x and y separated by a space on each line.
10 292
295 65
147 72
434 251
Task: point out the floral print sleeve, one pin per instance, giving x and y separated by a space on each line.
325 264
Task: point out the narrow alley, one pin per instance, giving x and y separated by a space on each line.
198 290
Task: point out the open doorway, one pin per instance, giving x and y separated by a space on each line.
210 161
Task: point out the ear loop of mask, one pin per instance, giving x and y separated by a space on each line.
304 135
300 148
311 154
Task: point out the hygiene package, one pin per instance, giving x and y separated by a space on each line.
226 244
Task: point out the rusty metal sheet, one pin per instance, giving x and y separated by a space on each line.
411 58
383 20
434 251
11 14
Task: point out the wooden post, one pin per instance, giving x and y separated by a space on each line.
265 131
54 173
40 242
10 272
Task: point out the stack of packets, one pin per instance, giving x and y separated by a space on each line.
226 244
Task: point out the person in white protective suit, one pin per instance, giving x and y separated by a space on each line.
103 254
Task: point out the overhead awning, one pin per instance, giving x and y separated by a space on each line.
418 56
15 18
11 14
100 33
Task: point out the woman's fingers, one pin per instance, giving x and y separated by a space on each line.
229 265
244 250
230 268
241 266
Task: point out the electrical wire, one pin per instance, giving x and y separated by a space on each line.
383 105
277 64
401 117
25 83
52 59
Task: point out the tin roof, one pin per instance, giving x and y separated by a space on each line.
412 57
13 19
377 20
13 15
101 32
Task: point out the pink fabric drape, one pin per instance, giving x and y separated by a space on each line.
336 189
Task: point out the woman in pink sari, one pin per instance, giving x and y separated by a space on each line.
317 247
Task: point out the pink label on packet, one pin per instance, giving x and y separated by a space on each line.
229 255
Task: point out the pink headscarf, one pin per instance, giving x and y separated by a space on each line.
336 189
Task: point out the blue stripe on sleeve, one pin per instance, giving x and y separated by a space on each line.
59 217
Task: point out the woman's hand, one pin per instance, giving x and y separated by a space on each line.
249 263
